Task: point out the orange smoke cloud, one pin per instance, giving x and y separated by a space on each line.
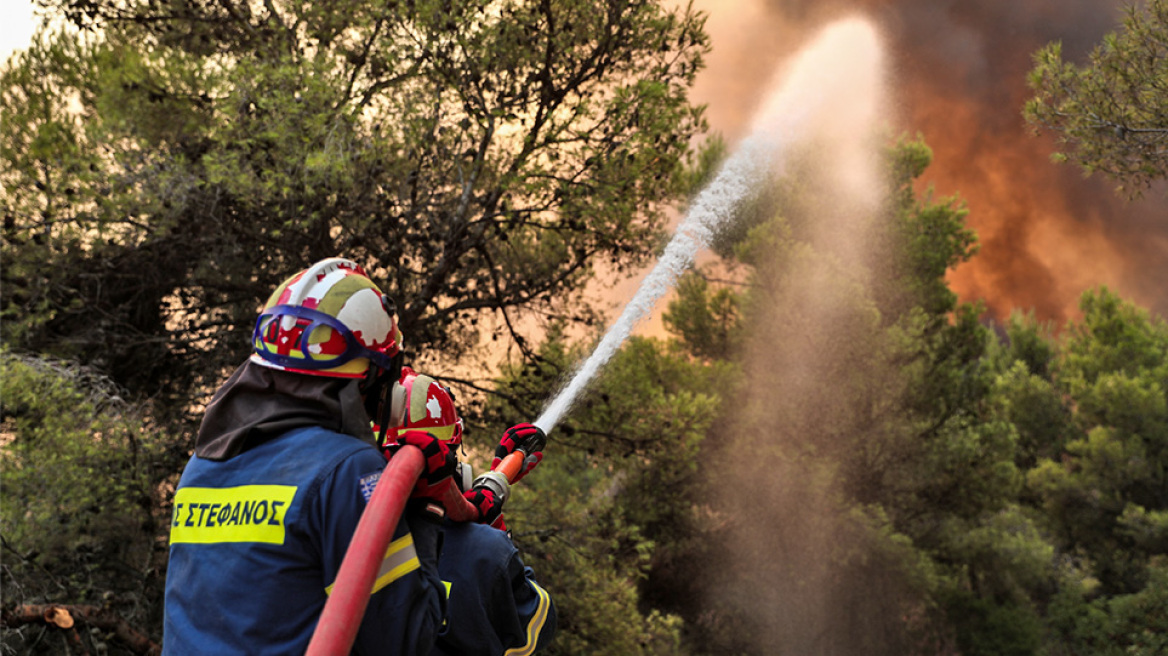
1046 233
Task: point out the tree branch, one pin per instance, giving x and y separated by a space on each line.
61 617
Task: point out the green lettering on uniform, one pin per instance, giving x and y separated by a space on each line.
248 513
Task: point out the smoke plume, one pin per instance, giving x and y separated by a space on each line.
1046 232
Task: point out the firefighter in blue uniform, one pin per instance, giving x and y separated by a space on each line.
495 605
284 464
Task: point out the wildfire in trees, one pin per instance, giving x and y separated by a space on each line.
1047 233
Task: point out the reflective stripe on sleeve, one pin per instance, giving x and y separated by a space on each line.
401 558
535 626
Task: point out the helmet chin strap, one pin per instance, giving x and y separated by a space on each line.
379 388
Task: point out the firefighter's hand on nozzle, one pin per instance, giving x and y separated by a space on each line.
527 437
488 494
440 463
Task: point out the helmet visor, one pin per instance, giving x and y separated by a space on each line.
302 338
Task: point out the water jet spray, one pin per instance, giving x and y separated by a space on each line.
803 95
810 98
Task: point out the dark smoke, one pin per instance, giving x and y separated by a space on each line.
1047 233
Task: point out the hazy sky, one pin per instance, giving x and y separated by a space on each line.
16 24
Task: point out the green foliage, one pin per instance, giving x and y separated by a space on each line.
1036 409
1112 113
167 168
1113 336
706 322
938 488
986 628
1006 553
879 472
926 239
80 510
1125 624
704 165
1140 620
1105 492
1029 341
589 560
166 163
595 520
862 473
833 455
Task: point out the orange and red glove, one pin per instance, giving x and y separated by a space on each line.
488 504
529 438
487 495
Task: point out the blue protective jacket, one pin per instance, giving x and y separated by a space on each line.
256 541
495 606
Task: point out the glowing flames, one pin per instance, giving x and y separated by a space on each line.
1046 233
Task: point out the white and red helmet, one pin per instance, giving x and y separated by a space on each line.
327 320
420 402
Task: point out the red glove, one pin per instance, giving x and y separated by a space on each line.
501 525
440 462
487 495
487 503
528 437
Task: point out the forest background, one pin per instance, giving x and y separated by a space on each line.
869 465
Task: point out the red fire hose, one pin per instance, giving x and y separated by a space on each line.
341 617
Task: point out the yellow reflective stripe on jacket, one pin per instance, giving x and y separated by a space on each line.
247 513
535 626
401 558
